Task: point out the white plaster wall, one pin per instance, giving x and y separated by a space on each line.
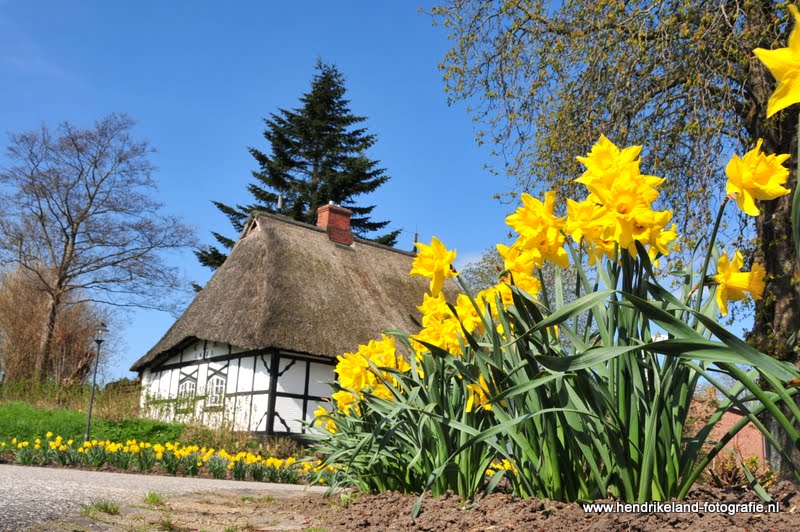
202 378
194 351
262 376
215 349
228 410
293 378
291 410
172 386
213 419
241 412
155 381
246 375
259 419
147 383
242 415
233 372
202 370
313 405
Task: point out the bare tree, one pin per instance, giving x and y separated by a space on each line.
23 306
78 214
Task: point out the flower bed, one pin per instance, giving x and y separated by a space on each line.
173 458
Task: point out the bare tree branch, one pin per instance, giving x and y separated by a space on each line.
80 216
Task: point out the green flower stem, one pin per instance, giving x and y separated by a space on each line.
704 271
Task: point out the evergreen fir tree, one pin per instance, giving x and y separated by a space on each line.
317 154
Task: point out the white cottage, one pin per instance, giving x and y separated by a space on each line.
256 348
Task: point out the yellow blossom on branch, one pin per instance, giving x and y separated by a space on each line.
756 176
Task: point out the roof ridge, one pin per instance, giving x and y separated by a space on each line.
292 221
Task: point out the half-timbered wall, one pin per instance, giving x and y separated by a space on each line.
220 385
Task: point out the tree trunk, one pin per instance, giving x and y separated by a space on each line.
42 366
777 317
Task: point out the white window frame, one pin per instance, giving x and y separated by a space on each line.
216 391
187 389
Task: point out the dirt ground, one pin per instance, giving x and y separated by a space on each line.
236 510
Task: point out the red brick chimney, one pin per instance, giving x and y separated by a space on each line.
336 222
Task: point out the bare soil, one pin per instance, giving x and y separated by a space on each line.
235 510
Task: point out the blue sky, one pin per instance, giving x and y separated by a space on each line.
200 76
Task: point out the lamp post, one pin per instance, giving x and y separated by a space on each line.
99 338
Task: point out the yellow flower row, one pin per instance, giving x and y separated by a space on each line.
176 448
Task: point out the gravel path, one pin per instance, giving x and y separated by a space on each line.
30 495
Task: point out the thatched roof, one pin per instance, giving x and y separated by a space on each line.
286 285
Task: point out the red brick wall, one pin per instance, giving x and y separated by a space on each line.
336 222
748 442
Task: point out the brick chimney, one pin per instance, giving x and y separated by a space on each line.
336 222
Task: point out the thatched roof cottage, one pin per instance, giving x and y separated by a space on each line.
256 347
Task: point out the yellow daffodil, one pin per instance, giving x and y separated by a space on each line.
434 261
734 285
468 315
353 371
383 354
443 334
609 168
618 211
784 65
540 231
383 392
321 418
605 161
519 260
505 465
756 176
525 282
346 401
433 309
584 220
478 395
